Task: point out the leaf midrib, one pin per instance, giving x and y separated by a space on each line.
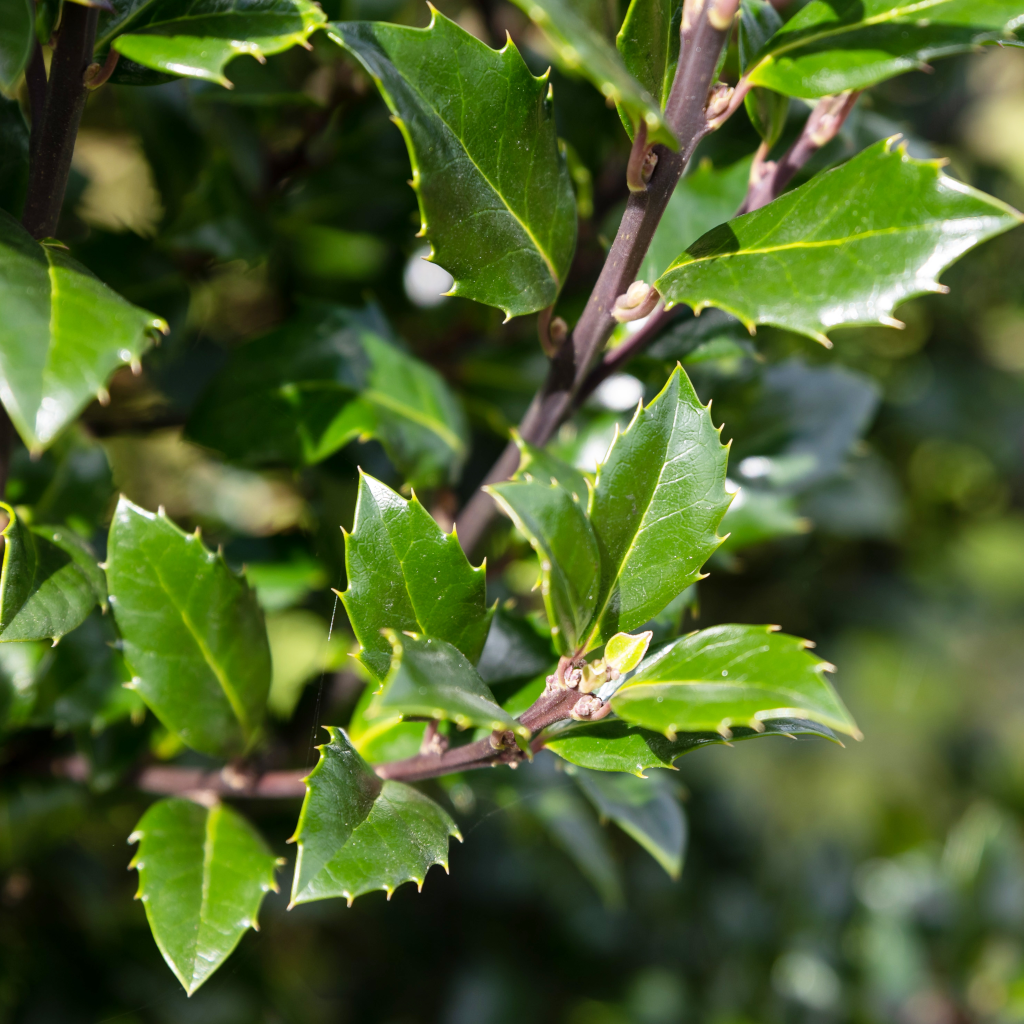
423 419
878 19
213 816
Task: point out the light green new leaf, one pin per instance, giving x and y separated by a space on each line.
405 573
538 464
357 833
583 49
646 810
846 248
50 581
613 745
649 44
193 633
496 199
431 679
830 46
703 199
325 378
660 495
198 39
62 334
17 18
555 524
203 873
730 676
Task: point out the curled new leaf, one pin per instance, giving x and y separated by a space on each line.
193 633
357 833
203 873
496 200
730 676
50 581
815 258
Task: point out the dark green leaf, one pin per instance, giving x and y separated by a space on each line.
833 45
193 633
730 675
659 497
357 834
582 48
17 37
646 810
540 465
62 334
767 111
13 156
322 380
199 39
703 199
697 334
554 523
50 581
406 573
514 650
203 873
649 44
811 261
495 197
613 745
384 738
431 679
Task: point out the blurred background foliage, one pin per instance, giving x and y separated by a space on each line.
880 512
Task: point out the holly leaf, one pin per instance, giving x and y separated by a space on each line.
811 260
62 334
649 44
613 745
540 465
357 833
830 46
660 495
197 41
203 873
193 633
514 651
496 201
555 524
50 581
646 810
703 199
383 738
17 18
326 378
730 676
582 48
406 574
431 679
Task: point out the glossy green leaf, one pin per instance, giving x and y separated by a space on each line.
357 833
405 573
830 46
515 650
197 40
203 873
573 828
812 260
613 745
496 200
383 738
325 378
62 334
647 810
624 651
582 48
649 44
17 37
555 524
50 581
431 679
660 495
703 199
727 676
767 109
540 465
193 633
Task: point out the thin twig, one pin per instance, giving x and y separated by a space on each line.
701 42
